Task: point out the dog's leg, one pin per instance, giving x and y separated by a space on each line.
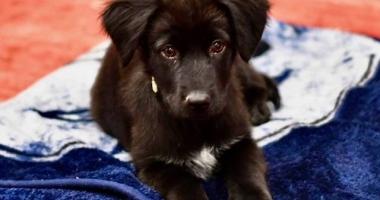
273 92
173 182
258 89
244 170
260 112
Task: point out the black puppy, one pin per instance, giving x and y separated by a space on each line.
176 89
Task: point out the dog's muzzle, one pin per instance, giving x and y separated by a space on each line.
198 101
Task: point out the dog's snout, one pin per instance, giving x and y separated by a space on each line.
198 100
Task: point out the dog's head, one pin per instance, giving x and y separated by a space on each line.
189 46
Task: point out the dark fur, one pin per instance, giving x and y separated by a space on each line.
154 126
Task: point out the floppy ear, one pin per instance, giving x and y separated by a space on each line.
249 18
125 21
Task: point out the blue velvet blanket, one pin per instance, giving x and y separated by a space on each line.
323 144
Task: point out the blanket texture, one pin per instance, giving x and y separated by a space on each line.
322 144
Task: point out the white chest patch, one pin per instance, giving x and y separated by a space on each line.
202 163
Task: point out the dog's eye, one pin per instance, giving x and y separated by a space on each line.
169 52
217 47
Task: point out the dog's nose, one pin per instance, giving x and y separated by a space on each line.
198 100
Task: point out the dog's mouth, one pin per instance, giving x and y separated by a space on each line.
201 112
198 113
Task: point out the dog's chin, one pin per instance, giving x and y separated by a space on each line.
198 115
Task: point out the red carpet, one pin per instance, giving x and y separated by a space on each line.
360 16
38 36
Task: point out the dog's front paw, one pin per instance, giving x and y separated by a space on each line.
252 190
250 195
183 193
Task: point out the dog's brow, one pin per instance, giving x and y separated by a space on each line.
222 34
162 40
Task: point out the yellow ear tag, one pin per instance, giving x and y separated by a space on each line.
154 85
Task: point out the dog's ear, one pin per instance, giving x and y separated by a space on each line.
249 18
125 21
